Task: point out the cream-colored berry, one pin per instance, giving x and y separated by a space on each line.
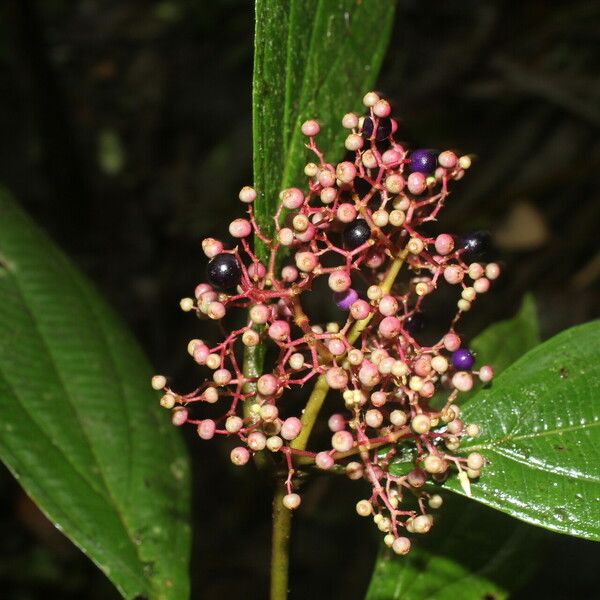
168 401
421 424
158 382
435 501
364 508
186 304
292 501
475 461
401 546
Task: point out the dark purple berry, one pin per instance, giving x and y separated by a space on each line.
384 128
356 234
224 271
463 359
414 323
475 244
344 300
423 161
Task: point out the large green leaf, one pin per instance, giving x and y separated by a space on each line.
79 427
473 552
313 59
540 434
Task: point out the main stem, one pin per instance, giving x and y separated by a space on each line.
282 517
280 541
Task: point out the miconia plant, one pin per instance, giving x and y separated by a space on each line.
361 225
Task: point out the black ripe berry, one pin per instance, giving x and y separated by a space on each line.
384 128
224 271
475 244
356 234
414 323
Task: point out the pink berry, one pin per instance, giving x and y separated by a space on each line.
216 310
310 128
336 422
291 428
257 271
201 352
206 429
346 213
391 158
486 373
212 247
202 288
451 342
342 441
416 183
179 416
267 385
350 121
373 418
324 461
378 399
339 281
240 228
279 331
448 159
337 378
289 274
336 347
382 108
306 261
444 244
247 194
481 285
292 198
453 274
390 327
326 178
240 456
388 306
360 309
346 172
462 381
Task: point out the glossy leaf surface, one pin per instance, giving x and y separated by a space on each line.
313 59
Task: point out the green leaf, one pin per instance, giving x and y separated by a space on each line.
79 427
312 60
504 342
540 433
473 552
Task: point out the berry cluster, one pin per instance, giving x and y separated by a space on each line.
360 225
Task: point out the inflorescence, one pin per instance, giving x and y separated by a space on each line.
358 224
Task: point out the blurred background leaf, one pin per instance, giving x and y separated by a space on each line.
80 429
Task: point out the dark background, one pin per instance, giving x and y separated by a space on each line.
125 130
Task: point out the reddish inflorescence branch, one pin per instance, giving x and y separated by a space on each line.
357 224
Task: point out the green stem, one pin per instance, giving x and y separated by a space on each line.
282 517
280 542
